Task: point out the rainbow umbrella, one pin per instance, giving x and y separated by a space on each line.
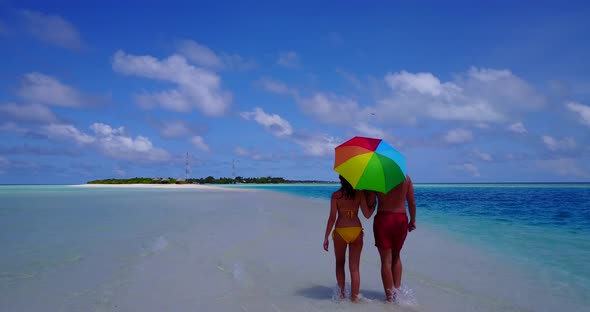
370 164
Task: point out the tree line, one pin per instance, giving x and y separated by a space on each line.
207 180
238 179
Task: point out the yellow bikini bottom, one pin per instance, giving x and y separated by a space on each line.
348 234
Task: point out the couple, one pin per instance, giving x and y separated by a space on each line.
390 228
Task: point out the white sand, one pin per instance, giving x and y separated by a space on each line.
262 251
203 248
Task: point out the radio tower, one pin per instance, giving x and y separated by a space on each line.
233 168
187 166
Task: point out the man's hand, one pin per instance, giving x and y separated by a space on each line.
411 226
326 244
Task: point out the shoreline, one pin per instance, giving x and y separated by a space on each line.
163 186
195 249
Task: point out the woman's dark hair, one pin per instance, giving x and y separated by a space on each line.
347 189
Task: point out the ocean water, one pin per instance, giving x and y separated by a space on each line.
494 247
61 245
543 228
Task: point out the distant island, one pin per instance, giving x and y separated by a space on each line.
207 180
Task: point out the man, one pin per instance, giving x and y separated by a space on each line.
390 228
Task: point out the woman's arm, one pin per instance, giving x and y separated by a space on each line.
367 206
331 221
371 197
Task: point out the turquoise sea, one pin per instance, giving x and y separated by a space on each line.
49 232
542 227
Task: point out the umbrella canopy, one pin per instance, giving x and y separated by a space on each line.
370 164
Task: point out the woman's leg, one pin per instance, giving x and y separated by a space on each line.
386 273
340 253
354 259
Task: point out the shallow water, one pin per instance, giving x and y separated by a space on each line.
73 249
544 228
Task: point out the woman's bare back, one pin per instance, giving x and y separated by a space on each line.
348 209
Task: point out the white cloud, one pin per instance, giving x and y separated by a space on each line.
480 95
119 172
489 75
252 154
558 145
114 142
456 136
563 166
289 59
313 144
237 62
199 54
518 128
11 126
275 86
351 78
316 144
369 131
106 130
117 144
472 169
484 156
332 109
327 108
179 128
482 125
202 55
174 129
68 132
241 151
52 29
33 113
199 142
197 87
501 89
582 110
271 122
39 88
424 83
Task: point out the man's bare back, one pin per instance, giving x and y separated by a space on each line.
395 200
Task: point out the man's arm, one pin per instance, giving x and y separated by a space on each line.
411 205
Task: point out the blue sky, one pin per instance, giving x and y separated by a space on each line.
468 92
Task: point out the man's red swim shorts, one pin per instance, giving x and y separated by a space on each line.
390 229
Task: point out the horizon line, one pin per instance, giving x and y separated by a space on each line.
326 181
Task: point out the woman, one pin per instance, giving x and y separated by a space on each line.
344 207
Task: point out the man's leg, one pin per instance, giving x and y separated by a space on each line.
396 268
387 273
